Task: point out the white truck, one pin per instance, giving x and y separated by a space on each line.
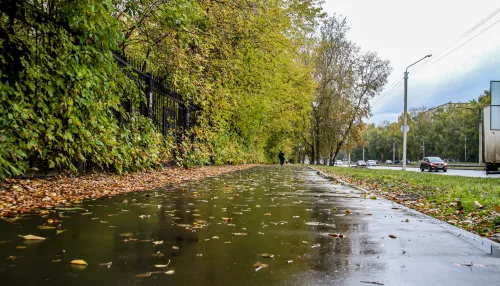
491 130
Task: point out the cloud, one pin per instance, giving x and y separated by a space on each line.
404 32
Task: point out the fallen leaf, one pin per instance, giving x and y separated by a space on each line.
45 227
258 266
107 264
226 219
32 237
267 255
333 234
143 275
158 254
56 260
158 242
372 282
348 211
126 234
20 247
268 214
289 261
175 247
405 220
78 262
392 236
239 234
170 272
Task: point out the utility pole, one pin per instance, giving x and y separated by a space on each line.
465 158
393 150
405 127
405 120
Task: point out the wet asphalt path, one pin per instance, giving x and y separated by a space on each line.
286 212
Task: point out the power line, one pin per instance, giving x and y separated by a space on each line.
466 33
389 92
439 59
480 23
429 62
391 86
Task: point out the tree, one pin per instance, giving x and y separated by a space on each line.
346 80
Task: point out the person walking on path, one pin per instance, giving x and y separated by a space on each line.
282 158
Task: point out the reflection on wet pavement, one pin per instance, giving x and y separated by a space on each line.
302 228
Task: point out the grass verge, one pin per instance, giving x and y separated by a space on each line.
448 198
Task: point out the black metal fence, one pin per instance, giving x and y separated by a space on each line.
166 108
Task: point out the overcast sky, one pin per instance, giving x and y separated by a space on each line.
405 31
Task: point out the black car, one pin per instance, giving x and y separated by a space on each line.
433 163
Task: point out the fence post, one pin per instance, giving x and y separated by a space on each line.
149 95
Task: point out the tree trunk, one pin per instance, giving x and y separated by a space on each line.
317 143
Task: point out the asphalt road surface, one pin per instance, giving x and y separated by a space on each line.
451 172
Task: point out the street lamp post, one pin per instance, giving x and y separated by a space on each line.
405 128
465 146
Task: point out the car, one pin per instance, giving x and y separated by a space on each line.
398 162
339 163
388 161
361 163
433 163
371 163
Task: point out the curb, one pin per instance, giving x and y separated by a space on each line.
489 247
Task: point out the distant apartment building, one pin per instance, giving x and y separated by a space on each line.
446 107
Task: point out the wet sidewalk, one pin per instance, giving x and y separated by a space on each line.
263 226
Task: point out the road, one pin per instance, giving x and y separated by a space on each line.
268 225
450 172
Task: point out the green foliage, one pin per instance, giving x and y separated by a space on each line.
242 62
442 130
62 105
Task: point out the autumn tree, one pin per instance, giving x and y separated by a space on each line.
346 79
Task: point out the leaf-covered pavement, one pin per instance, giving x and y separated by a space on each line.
40 195
263 226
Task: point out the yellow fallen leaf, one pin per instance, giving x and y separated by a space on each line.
348 211
78 262
392 236
20 247
59 231
44 227
170 272
260 264
32 237
56 260
143 275
268 214
239 234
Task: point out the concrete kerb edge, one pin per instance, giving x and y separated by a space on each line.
490 247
